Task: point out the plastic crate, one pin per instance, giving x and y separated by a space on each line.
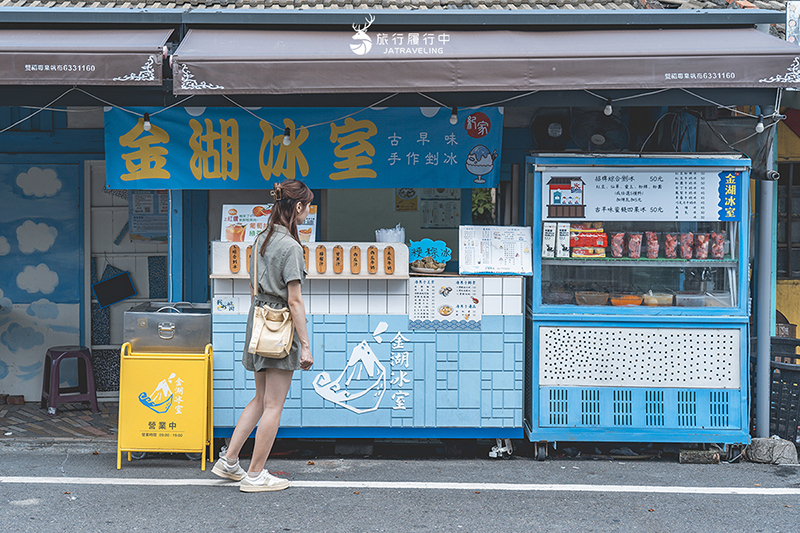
785 401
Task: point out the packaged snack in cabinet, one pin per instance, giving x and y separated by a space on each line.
635 245
562 239
701 243
651 242
718 245
671 245
617 244
596 240
588 252
687 243
549 239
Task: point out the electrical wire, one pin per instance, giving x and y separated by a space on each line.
20 121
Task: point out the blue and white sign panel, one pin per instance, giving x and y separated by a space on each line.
336 148
631 194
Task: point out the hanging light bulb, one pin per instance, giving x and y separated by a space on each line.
454 116
286 134
760 125
607 110
147 124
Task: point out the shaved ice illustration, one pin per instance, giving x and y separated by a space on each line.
480 161
160 400
361 385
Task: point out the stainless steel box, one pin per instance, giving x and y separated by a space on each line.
159 327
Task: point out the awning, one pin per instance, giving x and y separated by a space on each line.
289 62
82 57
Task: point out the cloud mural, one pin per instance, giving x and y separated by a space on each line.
39 182
5 304
44 309
5 248
18 337
35 237
37 279
3 369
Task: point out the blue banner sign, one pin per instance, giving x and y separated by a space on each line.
730 194
326 148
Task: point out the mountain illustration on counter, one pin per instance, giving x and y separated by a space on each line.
360 386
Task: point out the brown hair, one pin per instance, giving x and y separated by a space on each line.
287 195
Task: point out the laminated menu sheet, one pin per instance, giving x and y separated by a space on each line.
495 250
447 303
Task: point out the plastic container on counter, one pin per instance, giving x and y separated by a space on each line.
690 299
657 299
591 298
622 300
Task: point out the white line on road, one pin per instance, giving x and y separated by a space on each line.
411 485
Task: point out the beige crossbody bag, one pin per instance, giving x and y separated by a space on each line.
273 329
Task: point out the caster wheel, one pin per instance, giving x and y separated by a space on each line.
138 455
540 451
194 456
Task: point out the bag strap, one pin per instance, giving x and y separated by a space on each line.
254 262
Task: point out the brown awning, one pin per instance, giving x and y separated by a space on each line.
287 62
82 57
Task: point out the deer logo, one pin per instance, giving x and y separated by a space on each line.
364 43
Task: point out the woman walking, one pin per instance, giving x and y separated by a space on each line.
279 263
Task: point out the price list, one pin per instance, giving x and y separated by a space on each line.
690 195
423 296
622 194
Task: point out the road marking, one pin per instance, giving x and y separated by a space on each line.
412 485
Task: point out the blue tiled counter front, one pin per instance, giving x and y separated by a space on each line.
438 384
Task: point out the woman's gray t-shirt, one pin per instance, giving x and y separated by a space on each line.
281 263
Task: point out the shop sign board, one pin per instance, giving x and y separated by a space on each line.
326 148
626 194
164 402
243 223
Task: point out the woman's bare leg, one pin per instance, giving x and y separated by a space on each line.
248 420
276 386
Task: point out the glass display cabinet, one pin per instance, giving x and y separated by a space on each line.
638 304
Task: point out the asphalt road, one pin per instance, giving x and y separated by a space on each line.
78 488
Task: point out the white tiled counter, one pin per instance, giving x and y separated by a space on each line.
373 376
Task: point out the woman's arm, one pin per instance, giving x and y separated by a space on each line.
298 310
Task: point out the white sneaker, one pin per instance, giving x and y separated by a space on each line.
223 469
264 482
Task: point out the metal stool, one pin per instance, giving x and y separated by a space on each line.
52 394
